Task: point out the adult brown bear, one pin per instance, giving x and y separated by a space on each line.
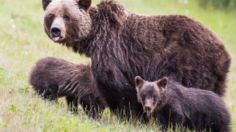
122 45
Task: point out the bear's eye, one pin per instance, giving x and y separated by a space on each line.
154 99
50 17
66 18
143 97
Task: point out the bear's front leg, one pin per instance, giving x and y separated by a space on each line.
72 104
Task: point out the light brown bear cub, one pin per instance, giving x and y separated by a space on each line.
175 105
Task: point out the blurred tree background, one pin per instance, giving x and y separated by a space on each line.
218 4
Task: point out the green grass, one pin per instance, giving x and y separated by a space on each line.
23 42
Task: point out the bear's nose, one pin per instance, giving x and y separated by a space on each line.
147 108
56 32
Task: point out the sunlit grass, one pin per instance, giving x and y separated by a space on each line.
23 42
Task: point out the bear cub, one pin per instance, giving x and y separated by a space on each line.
52 78
174 105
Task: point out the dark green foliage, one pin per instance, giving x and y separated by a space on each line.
218 4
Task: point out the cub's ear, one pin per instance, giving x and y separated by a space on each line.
138 82
45 3
84 4
162 82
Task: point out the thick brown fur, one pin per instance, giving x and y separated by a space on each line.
175 105
123 44
53 78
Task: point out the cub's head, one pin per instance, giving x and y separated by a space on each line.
150 94
67 21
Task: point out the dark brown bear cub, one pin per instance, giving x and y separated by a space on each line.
175 105
53 78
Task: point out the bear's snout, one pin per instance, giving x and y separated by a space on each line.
56 32
148 108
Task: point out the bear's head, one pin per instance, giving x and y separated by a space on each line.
67 21
150 94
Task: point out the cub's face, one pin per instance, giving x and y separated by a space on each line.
150 93
66 21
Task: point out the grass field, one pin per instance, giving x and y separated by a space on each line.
23 42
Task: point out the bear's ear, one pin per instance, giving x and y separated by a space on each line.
45 3
162 82
84 4
138 82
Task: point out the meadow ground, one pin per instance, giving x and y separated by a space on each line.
23 42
